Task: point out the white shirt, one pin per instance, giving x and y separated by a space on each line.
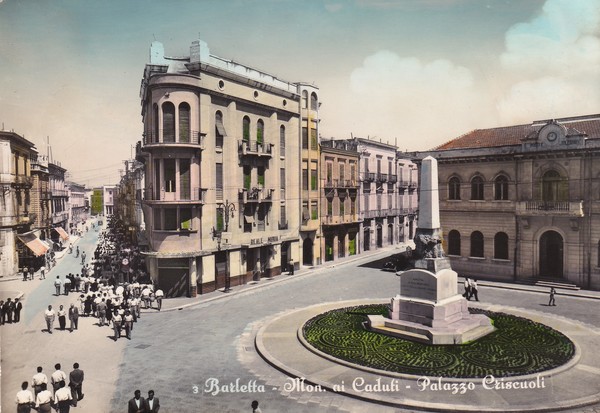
39 378
49 313
43 397
24 396
62 394
58 376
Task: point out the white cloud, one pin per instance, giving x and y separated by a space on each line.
403 97
554 63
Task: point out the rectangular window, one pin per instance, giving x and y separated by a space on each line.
282 141
304 137
342 206
220 220
157 181
305 212
261 176
185 218
282 183
329 173
170 219
313 176
219 181
247 177
169 174
329 207
366 198
157 223
366 165
342 174
313 140
352 206
184 179
352 173
282 217
261 216
305 178
314 210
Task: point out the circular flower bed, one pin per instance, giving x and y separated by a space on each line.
518 346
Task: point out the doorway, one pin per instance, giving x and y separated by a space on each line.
551 255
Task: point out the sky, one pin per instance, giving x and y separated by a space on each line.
414 73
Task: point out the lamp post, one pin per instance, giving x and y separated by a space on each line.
227 209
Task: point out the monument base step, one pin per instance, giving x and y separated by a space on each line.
460 332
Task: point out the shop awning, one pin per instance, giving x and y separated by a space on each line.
63 234
34 243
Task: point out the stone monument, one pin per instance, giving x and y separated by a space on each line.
429 308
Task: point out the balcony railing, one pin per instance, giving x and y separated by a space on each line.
192 138
368 176
392 178
196 195
59 192
255 195
381 177
22 182
282 225
570 208
255 148
58 217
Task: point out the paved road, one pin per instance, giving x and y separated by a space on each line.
171 352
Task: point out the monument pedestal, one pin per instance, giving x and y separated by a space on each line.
429 310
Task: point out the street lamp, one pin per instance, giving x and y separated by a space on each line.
227 210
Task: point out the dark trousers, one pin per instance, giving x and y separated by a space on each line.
23 408
76 394
64 406
17 317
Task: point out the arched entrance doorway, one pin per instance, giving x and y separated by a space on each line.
551 254
307 252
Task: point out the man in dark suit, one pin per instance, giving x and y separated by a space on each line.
76 383
9 308
152 404
137 404
18 308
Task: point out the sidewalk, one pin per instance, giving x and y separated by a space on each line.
175 304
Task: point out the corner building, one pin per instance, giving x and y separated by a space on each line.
221 148
522 203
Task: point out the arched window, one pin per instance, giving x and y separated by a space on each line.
219 129
476 244
168 110
454 242
282 140
454 188
554 187
477 188
304 99
501 246
154 134
184 123
246 129
314 103
260 130
501 188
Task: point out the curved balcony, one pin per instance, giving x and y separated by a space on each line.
195 196
192 139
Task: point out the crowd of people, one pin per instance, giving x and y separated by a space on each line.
113 287
10 311
66 391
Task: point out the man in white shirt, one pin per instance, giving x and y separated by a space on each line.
38 379
49 315
57 377
63 398
24 399
159 297
43 400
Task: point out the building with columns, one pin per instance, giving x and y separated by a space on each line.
522 203
223 147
